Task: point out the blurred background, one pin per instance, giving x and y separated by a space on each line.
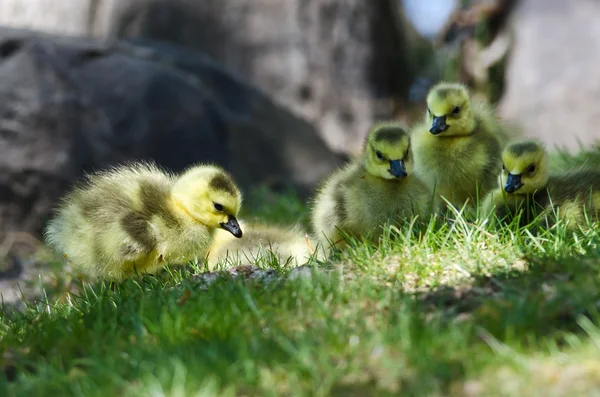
280 92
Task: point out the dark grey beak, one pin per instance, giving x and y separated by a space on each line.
513 183
439 125
232 226
397 169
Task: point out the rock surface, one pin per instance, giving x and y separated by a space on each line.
330 61
253 273
337 63
28 272
552 86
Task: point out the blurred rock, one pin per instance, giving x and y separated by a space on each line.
69 17
247 272
27 273
42 117
253 273
339 64
267 143
69 105
552 86
312 56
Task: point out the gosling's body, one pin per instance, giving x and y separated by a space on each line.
457 148
459 170
359 198
287 245
128 219
573 197
528 189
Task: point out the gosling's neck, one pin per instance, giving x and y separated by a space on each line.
471 127
183 215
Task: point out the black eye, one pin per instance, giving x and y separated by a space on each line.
428 111
456 110
531 168
503 167
379 155
218 207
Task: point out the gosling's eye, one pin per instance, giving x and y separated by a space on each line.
531 168
429 111
503 167
379 155
218 207
456 110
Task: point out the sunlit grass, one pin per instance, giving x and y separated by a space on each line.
451 307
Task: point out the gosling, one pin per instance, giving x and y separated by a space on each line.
528 189
457 148
370 191
137 218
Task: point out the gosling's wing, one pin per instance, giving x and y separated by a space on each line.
261 241
329 208
575 185
491 167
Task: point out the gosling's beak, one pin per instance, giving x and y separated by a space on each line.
513 183
397 169
439 125
232 226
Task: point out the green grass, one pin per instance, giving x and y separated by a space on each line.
449 309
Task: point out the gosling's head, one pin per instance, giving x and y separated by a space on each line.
209 196
449 110
524 167
387 152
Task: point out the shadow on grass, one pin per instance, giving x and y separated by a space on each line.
545 298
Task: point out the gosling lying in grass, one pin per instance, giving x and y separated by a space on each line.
457 148
138 218
263 242
529 190
377 188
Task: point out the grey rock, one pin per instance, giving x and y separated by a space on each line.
26 273
253 273
244 272
333 62
302 272
41 119
339 64
552 86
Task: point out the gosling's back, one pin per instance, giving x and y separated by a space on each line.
575 196
262 241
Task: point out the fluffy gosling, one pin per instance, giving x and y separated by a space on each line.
377 188
457 148
529 189
138 218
